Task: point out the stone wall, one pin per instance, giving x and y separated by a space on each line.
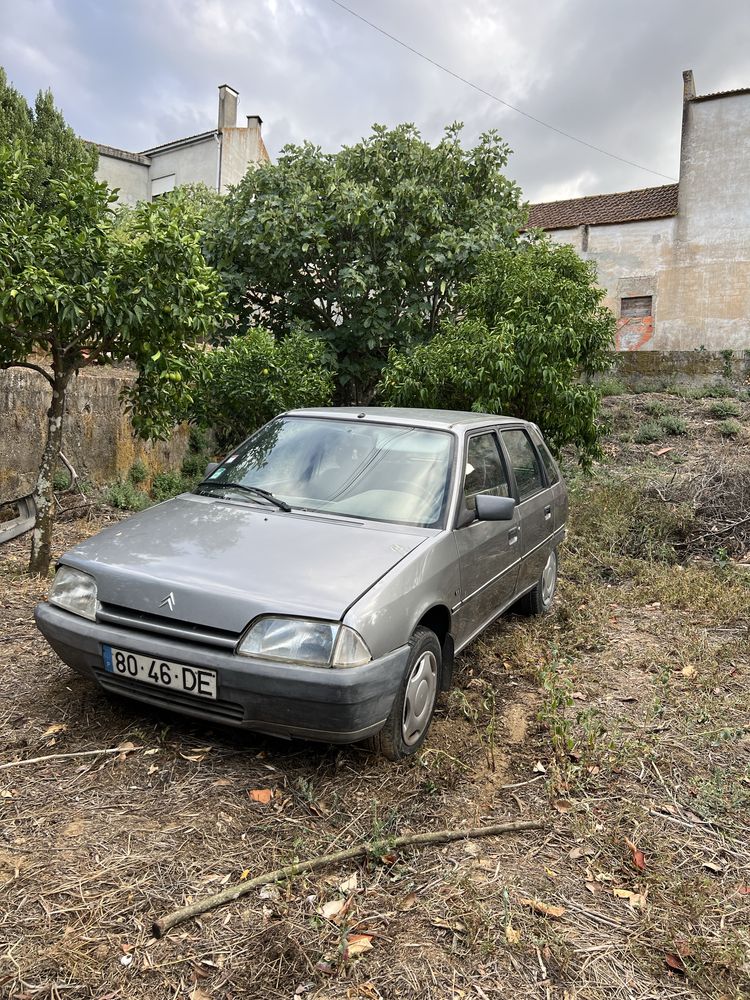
97 438
661 369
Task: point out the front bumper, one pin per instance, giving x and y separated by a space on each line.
317 703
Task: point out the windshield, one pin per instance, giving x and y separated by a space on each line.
380 472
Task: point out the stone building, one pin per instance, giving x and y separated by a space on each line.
675 259
217 158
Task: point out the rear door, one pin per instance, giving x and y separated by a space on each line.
489 551
535 504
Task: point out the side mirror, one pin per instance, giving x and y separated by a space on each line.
211 467
491 508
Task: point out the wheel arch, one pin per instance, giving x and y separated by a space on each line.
438 620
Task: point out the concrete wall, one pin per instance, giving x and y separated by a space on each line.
696 266
131 178
97 436
196 163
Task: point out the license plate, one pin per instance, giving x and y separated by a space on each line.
160 673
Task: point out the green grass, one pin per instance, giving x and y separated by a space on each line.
729 428
724 409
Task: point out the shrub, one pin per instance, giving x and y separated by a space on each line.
655 408
138 472
166 485
611 385
193 466
255 377
724 409
729 428
649 433
125 496
60 480
673 424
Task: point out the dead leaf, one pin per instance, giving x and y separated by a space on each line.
545 909
357 944
127 747
713 867
221 783
152 769
635 899
689 671
389 859
675 962
262 795
244 874
578 696
639 858
150 753
539 768
662 451
744 890
350 884
581 852
56 727
408 902
512 936
195 757
594 888
562 805
332 908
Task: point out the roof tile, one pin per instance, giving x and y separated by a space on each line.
606 209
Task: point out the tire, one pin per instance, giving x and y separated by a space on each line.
409 719
540 597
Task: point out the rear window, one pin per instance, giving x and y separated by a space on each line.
525 463
553 476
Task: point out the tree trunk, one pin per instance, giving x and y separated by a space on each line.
41 537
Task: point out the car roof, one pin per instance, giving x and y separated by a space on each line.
438 419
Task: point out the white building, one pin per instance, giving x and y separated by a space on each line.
218 158
675 260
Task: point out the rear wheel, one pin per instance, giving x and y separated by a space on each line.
406 727
539 599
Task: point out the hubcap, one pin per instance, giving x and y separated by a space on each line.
421 689
549 579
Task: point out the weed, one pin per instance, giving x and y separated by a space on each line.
648 433
166 485
673 424
706 392
611 385
60 480
729 428
138 472
656 408
125 496
724 409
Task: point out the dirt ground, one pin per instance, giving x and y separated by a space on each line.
619 721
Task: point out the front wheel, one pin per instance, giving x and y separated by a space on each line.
539 599
406 727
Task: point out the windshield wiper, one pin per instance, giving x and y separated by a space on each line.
254 490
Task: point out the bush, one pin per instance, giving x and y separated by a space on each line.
611 385
649 433
673 424
725 409
60 480
125 496
534 333
168 484
655 408
255 377
729 428
138 472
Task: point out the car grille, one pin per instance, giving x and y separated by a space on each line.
113 614
227 711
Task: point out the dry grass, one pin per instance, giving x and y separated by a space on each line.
622 716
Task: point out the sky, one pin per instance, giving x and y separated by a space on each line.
136 73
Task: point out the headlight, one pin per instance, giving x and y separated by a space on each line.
314 644
74 591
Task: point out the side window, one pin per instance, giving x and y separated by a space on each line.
553 476
485 470
525 463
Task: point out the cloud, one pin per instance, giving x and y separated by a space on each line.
137 74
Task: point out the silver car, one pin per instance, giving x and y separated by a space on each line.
320 580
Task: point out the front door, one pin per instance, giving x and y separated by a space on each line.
489 551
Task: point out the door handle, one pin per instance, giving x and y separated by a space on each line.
548 512
512 536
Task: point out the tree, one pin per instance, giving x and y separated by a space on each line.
82 291
42 133
534 330
238 387
364 248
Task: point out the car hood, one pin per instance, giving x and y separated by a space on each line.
225 563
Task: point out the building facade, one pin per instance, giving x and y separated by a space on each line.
218 158
675 260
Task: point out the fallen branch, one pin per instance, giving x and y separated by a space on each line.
62 756
160 927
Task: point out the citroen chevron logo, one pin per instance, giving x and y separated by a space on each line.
168 601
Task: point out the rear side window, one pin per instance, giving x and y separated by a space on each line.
553 476
485 470
525 463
